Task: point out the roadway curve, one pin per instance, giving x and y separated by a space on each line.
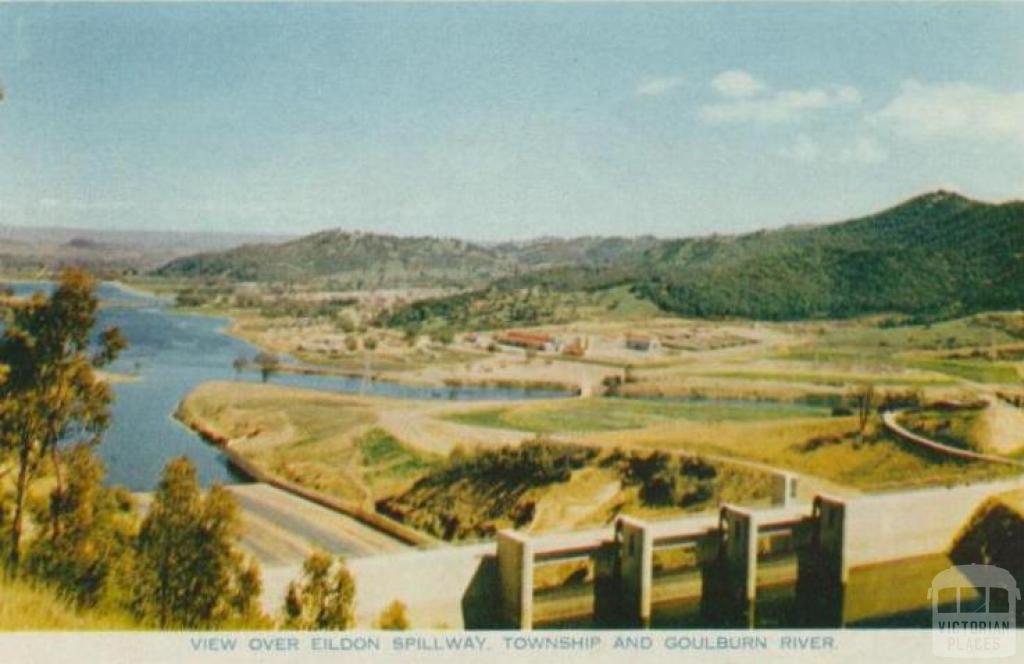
889 419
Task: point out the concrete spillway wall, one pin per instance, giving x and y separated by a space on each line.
492 584
886 527
438 586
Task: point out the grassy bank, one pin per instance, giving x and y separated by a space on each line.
326 442
25 606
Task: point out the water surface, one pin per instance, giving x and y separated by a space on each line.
171 353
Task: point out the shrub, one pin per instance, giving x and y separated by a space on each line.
393 617
324 598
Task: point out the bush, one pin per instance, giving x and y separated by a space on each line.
666 480
393 617
324 598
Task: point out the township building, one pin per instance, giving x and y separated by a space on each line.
528 340
641 342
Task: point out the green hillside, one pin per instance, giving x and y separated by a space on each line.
936 256
369 260
582 251
353 260
939 255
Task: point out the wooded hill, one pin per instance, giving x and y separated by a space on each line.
935 256
370 260
938 255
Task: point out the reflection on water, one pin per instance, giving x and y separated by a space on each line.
171 353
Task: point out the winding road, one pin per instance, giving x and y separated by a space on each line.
889 419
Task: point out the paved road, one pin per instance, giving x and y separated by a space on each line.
280 529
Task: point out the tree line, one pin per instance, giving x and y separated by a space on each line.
179 565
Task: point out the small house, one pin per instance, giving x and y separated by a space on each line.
640 342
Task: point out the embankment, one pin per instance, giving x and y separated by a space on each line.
995 535
256 473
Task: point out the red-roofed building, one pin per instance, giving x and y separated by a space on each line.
528 340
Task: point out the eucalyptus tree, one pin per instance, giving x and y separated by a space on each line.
188 570
51 395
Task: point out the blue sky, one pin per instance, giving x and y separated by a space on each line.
502 121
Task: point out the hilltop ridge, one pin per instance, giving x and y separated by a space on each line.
935 255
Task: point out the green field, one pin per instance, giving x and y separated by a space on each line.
386 460
962 332
612 414
979 371
830 377
864 346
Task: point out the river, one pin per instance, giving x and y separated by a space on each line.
169 354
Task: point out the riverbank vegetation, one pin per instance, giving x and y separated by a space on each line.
76 553
995 536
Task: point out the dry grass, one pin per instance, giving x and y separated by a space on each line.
825 447
26 607
325 441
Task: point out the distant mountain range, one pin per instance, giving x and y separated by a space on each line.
49 248
936 255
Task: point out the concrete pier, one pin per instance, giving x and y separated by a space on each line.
730 577
515 574
827 538
784 487
823 568
636 569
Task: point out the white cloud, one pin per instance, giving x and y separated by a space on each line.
782 106
737 84
954 111
805 150
81 205
863 150
656 87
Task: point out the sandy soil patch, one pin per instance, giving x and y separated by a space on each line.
1000 428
